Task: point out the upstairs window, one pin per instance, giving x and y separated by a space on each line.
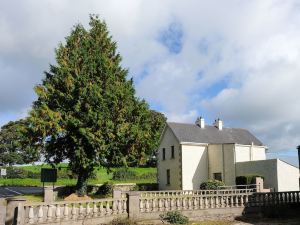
172 152
168 177
163 154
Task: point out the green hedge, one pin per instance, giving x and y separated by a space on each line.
20 173
211 185
247 179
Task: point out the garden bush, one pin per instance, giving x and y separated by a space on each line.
174 217
211 185
247 179
13 172
106 189
124 174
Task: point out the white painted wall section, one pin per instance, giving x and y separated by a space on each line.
194 166
288 177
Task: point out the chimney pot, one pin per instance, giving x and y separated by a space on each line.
200 122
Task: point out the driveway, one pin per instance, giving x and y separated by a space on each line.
11 191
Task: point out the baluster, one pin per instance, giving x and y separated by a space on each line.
49 213
217 201
101 210
31 215
211 202
114 207
189 203
154 206
73 211
195 203
166 204
231 201
242 200
172 204
147 206
95 209
205 202
178 205
124 206
160 205
66 211
88 210
40 214
184 203
57 212
120 210
142 205
81 210
107 207
201 202
226 201
246 200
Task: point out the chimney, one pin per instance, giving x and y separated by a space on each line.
219 124
200 122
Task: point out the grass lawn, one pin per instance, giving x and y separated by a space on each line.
101 177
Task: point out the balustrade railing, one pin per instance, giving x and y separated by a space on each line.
195 192
36 213
275 198
192 202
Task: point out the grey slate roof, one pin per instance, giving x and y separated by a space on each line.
212 135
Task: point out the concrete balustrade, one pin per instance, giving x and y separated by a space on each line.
146 205
36 213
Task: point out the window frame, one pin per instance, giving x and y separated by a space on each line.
218 175
164 154
168 177
172 152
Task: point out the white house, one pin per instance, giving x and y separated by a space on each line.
192 153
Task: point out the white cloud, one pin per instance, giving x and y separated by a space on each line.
253 46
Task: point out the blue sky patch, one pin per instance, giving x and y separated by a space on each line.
171 38
215 88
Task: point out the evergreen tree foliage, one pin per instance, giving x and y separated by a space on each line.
86 111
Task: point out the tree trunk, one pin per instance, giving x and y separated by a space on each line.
82 181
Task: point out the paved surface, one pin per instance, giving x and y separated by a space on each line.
8 191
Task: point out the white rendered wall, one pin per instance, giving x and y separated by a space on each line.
194 166
173 165
242 153
288 177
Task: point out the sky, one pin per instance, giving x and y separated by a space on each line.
236 60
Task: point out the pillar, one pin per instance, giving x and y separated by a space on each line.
48 194
12 212
133 205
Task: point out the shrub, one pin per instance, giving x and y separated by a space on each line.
241 180
211 185
124 174
174 217
105 189
247 179
13 172
122 221
148 176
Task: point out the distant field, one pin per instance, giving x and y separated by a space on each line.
101 177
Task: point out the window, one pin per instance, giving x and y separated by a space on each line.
164 154
168 177
172 152
218 176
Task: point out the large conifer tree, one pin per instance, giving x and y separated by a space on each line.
86 110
